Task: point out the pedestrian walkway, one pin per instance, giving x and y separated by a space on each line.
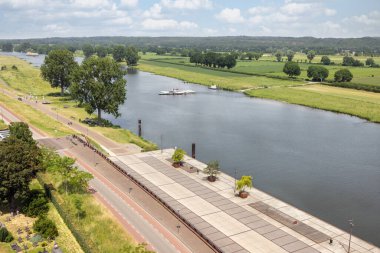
259 223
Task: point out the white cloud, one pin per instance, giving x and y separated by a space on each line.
296 8
22 3
129 3
260 10
372 18
153 12
232 16
90 3
120 21
187 4
55 29
329 12
167 24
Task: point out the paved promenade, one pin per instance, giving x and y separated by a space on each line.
260 223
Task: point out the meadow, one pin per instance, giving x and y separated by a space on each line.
26 80
267 65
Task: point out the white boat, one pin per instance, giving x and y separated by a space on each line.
176 92
213 87
31 54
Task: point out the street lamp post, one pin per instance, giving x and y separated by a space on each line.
351 222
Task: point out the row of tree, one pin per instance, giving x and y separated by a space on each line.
215 60
317 73
98 84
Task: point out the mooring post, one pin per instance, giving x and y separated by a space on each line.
139 127
193 150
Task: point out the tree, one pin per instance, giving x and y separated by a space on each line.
58 67
310 55
230 61
99 85
21 131
348 61
325 60
278 55
88 50
5 235
197 58
131 56
317 73
212 170
19 162
118 53
343 75
101 51
292 69
45 227
7 47
369 62
290 55
357 63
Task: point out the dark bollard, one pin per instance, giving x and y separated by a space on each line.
193 150
139 127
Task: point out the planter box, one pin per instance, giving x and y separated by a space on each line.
211 178
176 165
243 195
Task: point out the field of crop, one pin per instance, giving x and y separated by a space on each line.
27 80
225 80
353 102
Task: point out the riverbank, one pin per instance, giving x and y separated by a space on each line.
26 80
357 103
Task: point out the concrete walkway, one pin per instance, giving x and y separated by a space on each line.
260 223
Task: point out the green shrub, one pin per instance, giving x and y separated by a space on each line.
243 183
37 207
45 227
292 69
5 235
178 155
317 73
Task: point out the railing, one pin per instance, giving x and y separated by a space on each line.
152 194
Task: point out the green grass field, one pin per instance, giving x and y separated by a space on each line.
225 80
268 66
353 102
27 80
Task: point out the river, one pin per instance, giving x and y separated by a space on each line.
324 163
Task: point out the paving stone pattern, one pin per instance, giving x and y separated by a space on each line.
217 218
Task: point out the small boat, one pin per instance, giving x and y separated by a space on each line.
31 54
176 92
213 87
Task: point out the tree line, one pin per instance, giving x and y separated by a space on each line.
323 46
215 60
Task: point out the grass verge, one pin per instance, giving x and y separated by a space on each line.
362 104
98 227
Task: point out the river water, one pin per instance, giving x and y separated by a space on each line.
324 163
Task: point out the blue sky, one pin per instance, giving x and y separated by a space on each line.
64 18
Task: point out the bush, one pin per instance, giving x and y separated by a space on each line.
5 235
45 227
37 207
178 155
14 67
343 75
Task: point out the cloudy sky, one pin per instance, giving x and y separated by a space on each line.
63 18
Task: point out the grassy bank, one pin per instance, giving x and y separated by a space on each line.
27 80
225 80
98 227
3 125
363 104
